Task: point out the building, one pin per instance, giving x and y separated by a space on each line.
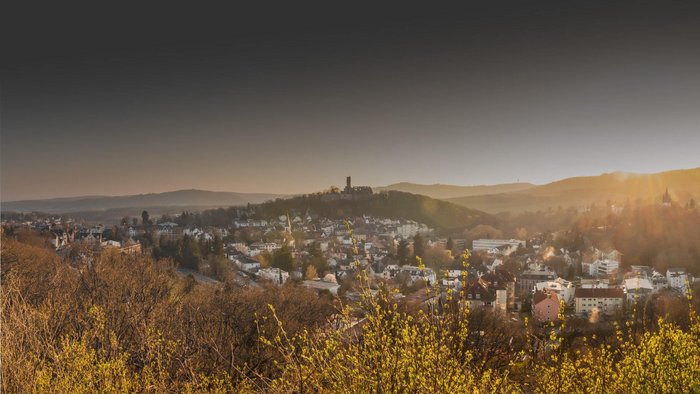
528 279
603 301
601 268
638 288
545 306
491 244
501 280
275 275
322 285
478 296
427 274
561 287
659 281
349 193
678 279
595 283
259 247
245 263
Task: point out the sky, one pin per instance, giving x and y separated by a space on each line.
114 99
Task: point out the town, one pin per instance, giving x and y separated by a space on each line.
518 278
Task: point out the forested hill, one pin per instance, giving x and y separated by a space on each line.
617 187
391 204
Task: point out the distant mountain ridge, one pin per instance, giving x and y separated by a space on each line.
178 198
582 191
443 192
512 197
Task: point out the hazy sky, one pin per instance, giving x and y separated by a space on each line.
123 100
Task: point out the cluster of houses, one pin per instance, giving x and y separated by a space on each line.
598 297
371 243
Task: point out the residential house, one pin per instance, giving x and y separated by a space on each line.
501 279
275 275
246 264
478 296
321 285
528 279
678 279
545 306
604 301
491 244
638 288
561 287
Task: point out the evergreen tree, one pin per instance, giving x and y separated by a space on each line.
282 259
218 247
191 254
145 218
418 246
402 252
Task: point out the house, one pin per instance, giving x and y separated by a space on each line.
427 274
561 287
638 288
605 301
168 229
595 283
678 279
259 247
130 247
545 306
246 264
511 245
110 244
659 281
322 285
642 271
501 279
528 279
478 296
601 268
275 275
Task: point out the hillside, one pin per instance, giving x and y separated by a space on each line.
392 204
179 198
452 191
583 191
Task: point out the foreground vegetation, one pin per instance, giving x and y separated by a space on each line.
129 324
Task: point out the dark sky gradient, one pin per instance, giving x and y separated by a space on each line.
131 100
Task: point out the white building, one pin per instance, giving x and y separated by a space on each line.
408 229
601 267
246 264
638 288
426 274
489 244
678 279
563 288
259 247
604 301
275 275
321 285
